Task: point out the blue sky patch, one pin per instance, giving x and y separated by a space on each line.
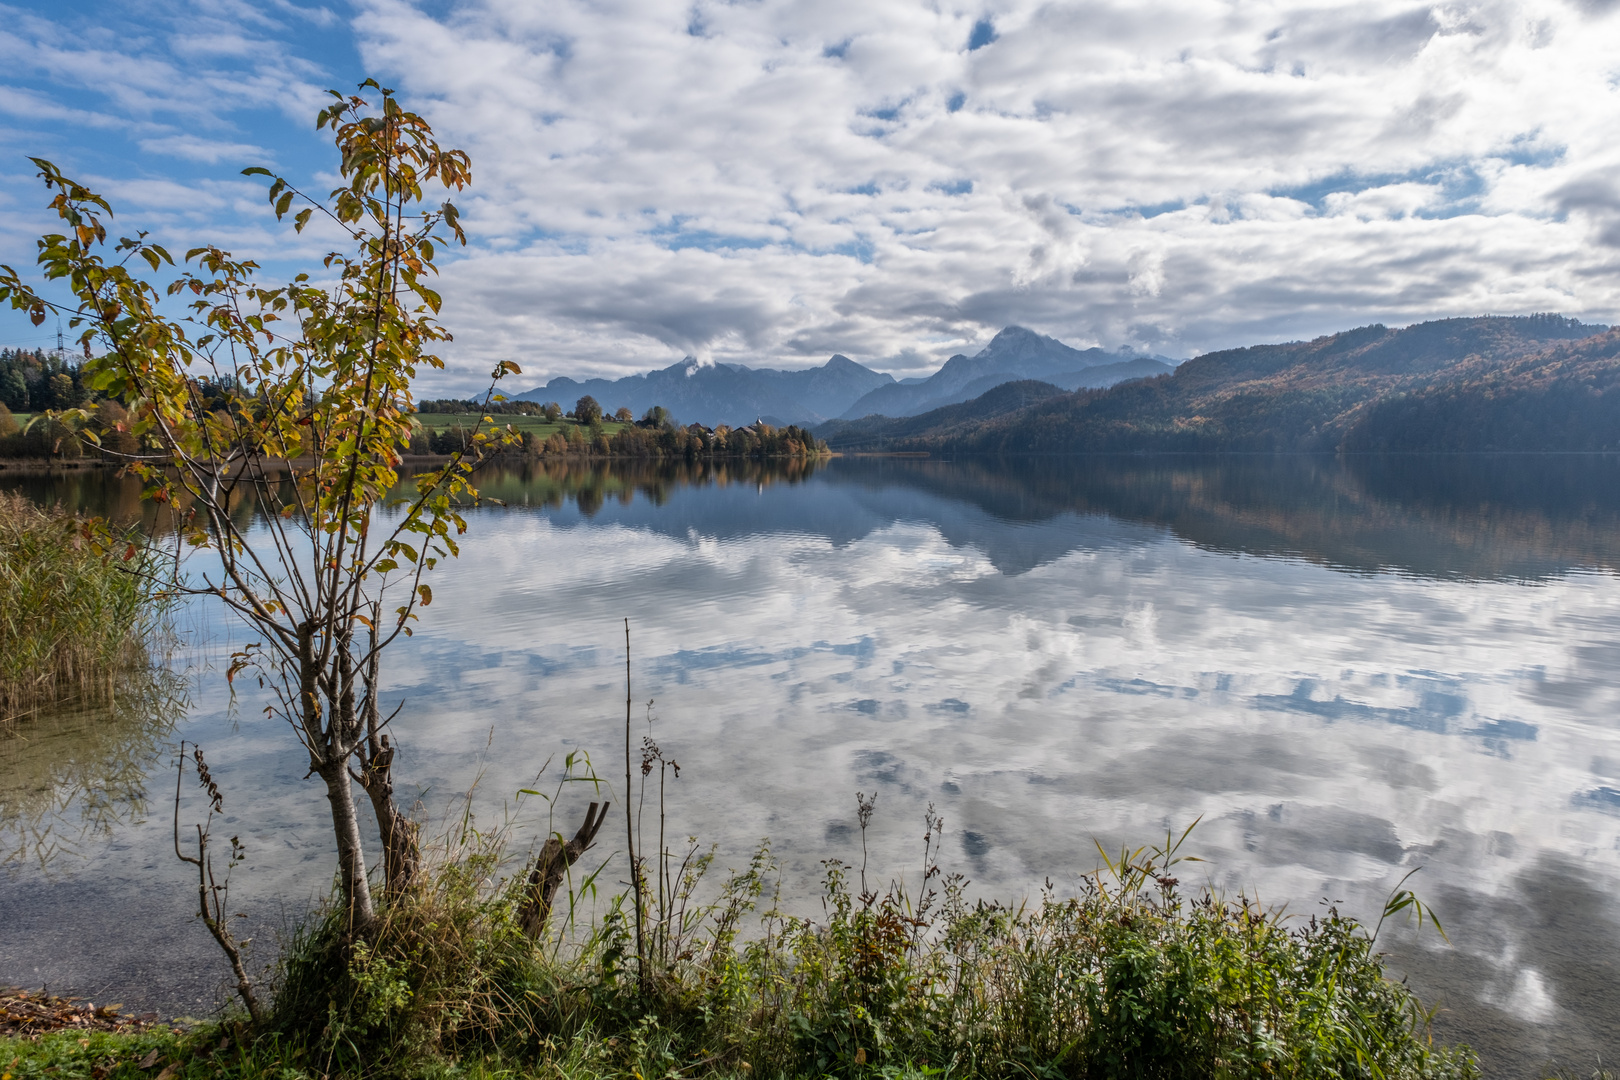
676 237
1436 710
1461 183
861 248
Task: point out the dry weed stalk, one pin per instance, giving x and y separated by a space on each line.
213 892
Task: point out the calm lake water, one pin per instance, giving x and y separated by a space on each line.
1343 669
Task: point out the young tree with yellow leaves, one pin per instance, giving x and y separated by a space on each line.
295 401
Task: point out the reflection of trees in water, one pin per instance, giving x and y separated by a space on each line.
1484 516
70 776
96 492
587 484
590 484
106 493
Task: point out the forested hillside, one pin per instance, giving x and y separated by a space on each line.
876 432
1538 382
1567 398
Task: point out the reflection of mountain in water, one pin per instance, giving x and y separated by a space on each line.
1487 517
1455 516
842 503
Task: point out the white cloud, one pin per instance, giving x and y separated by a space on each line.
864 183
775 181
212 151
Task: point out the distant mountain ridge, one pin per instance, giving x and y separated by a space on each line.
735 394
1538 382
1014 354
725 393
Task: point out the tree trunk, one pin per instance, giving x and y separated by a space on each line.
351 854
549 866
401 846
400 836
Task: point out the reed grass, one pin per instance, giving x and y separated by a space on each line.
75 611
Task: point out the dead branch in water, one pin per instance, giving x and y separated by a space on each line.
555 857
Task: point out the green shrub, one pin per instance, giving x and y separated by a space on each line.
435 972
1129 978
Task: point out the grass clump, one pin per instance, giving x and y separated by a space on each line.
1130 977
75 613
82 1055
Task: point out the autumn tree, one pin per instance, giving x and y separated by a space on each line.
295 398
587 411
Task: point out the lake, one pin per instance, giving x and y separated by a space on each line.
1342 669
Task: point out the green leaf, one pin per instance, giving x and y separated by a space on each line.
257 170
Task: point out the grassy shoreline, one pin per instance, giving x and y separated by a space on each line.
1131 977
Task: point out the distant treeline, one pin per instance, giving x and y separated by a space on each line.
691 443
581 432
38 380
655 435
472 406
51 439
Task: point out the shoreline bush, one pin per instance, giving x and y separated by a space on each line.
76 612
1130 977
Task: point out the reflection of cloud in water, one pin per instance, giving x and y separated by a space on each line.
1333 729
1542 950
1055 660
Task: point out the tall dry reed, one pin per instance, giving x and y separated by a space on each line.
75 612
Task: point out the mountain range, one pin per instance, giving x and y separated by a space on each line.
1014 354
1526 383
733 394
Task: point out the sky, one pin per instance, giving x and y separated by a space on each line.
769 182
